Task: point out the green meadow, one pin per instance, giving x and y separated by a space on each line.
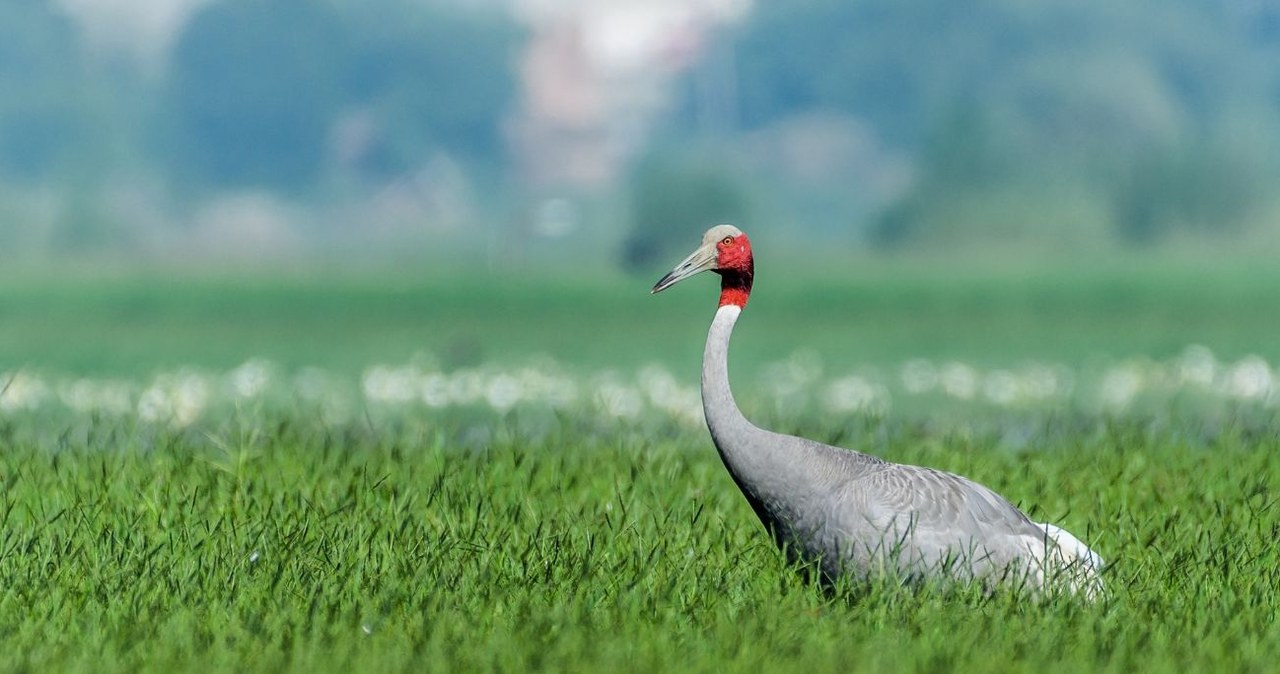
849 311
261 533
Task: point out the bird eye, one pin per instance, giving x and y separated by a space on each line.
726 240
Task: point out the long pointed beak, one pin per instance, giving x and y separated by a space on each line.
701 260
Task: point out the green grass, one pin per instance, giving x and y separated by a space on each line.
277 544
860 313
274 538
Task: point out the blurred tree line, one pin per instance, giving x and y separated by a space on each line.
881 122
258 85
1049 123
300 98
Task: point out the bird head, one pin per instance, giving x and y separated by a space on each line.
726 251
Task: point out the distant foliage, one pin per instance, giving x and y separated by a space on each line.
1125 118
432 80
253 102
258 105
672 202
45 118
873 122
1196 189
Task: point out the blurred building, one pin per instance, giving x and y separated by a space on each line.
595 75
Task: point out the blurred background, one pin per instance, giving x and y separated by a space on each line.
526 132
190 183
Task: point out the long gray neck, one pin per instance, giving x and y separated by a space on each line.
724 419
746 452
771 469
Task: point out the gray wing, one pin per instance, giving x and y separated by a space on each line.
939 501
928 516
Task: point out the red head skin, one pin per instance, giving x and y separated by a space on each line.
736 268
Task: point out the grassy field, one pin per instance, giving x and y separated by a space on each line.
861 312
264 534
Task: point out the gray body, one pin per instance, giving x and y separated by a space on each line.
860 515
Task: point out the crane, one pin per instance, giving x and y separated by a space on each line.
854 513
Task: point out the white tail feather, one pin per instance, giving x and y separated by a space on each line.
1071 547
1082 563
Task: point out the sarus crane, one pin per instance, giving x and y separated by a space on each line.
856 514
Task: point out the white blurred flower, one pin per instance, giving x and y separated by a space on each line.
178 398
665 393
1040 381
466 387
554 390
190 395
154 405
250 379
1250 379
332 394
1120 385
855 393
183 396
88 395
503 392
389 385
1001 387
434 389
1197 366
959 380
617 399
21 391
789 381
919 376
657 383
